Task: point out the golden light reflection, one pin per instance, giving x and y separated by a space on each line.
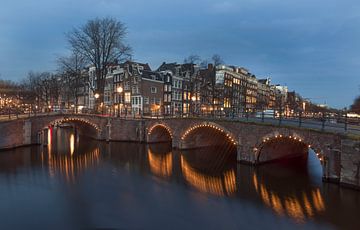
49 140
69 167
318 200
297 206
294 209
215 185
72 143
160 165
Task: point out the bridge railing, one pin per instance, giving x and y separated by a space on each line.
335 122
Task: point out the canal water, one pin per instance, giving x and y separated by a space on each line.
78 183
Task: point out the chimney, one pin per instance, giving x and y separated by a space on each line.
210 66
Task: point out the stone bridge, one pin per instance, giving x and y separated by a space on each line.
253 143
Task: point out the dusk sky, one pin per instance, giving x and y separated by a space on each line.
313 47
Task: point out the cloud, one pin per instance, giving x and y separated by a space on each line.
309 45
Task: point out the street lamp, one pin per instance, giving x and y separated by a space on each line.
193 98
96 95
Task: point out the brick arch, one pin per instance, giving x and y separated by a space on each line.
153 136
75 120
292 136
200 125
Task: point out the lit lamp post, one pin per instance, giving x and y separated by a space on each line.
193 99
96 95
119 90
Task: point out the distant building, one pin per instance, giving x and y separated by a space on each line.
265 99
184 88
235 91
133 89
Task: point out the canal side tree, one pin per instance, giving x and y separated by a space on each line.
100 41
71 73
44 88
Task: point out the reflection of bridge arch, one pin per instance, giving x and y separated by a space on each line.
159 132
161 164
206 134
221 185
279 139
69 167
295 204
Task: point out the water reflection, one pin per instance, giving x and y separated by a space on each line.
72 143
285 191
160 160
66 157
220 185
288 198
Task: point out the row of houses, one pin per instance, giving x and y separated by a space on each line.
133 88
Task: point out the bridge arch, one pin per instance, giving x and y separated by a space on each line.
84 126
75 120
206 134
159 132
279 145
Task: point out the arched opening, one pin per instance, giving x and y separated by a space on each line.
281 148
80 126
159 133
209 148
207 135
293 153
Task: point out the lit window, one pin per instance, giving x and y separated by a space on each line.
127 97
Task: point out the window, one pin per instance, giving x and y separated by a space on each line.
219 78
126 86
146 100
127 97
153 89
153 100
227 103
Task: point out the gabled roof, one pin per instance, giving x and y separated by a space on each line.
168 66
152 75
144 65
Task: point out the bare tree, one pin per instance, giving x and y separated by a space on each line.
217 60
45 88
192 59
70 71
100 42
